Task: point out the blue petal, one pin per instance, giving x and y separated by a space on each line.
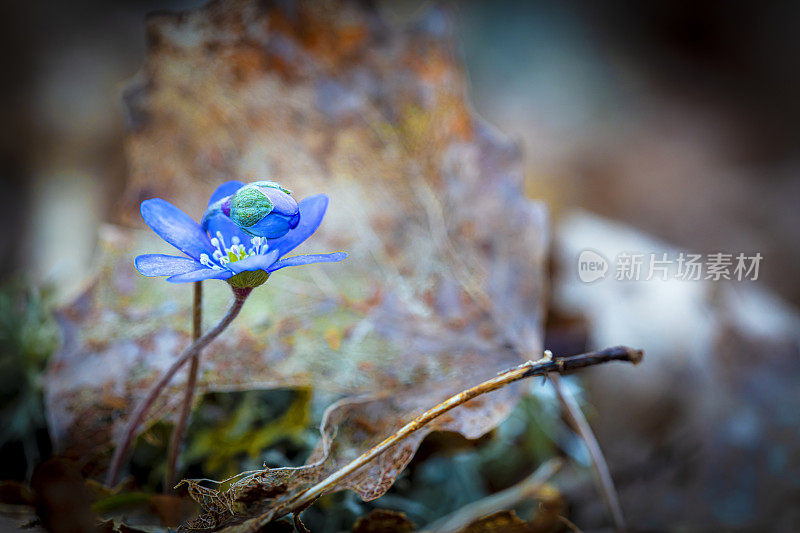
282 203
312 209
299 260
274 225
164 265
200 275
218 222
175 227
226 189
254 262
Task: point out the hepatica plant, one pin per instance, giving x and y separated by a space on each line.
243 238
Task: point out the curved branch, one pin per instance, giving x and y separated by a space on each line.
540 367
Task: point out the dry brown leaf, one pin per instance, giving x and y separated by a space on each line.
445 281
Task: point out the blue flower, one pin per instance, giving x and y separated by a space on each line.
221 249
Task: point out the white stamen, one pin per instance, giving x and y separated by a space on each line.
222 253
205 261
221 240
257 243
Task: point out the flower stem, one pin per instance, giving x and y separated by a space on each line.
191 383
144 406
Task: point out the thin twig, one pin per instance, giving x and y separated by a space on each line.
531 368
144 406
505 499
191 383
570 525
299 526
605 483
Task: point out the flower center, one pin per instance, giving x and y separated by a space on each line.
225 254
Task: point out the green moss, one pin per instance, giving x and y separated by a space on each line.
228 430
28 336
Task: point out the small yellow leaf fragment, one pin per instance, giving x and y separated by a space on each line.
333 336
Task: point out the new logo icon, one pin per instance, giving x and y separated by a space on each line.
591 266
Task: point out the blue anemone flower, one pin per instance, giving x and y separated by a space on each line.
221 249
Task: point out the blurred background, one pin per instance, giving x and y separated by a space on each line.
656 126
680 118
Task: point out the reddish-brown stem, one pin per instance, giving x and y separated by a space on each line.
144 406
176 441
